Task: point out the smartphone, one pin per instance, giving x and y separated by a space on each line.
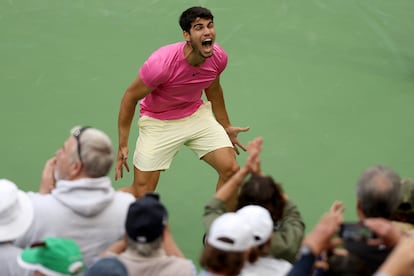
355 232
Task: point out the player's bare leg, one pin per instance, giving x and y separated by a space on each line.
224 162
143 182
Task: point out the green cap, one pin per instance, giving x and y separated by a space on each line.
53 257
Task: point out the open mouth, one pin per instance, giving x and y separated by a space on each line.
207 46
207 43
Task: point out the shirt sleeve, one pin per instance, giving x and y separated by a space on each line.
303 266
287 239
222 58
214 208
153 72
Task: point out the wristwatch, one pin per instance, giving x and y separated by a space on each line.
304 250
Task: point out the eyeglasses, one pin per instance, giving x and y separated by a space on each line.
77 133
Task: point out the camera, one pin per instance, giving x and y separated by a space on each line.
357 232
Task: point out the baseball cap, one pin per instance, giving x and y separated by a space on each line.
230 232
146 219
260 221
53 257
16 211
109 266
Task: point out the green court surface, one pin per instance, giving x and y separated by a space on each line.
328 84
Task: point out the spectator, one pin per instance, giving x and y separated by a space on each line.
401 260
378 194
319 240
109 266
16 215
403 216
260 262
227 247
76 198
264 191
151 249
53 257
386 235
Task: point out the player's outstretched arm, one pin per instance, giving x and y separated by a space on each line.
135 92
214 94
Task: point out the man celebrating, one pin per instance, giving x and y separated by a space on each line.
169 87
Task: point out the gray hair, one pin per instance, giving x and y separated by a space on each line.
97 154
378 191
144 249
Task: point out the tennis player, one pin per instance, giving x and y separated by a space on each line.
169 88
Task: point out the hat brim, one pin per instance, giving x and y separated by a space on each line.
33 265
17 227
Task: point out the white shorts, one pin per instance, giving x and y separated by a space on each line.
160 140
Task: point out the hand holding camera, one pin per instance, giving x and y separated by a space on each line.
372 231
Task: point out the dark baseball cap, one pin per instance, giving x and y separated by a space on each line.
146 219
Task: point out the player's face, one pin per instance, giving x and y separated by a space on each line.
202 36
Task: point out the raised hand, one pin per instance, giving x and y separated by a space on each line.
48 181
387 234
253 161
322 236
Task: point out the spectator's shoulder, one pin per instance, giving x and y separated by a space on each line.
121 195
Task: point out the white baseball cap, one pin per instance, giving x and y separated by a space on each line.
230 232
260 221
16 211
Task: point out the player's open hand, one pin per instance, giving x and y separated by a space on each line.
232 132
121 161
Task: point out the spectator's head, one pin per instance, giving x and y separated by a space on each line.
228 244
109 266
53 257
405 208
87 152
145 224
259 220
16 211
262 227
265 192
190 15
378 192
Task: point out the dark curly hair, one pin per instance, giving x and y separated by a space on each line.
265 192
190 15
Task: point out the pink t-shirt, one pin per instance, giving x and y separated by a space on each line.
176 85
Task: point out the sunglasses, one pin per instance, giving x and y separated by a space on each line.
77 134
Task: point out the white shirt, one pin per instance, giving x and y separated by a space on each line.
266 266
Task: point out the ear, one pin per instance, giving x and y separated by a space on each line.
359 210
75 169
186 36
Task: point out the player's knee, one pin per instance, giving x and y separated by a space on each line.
140 183
230 170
